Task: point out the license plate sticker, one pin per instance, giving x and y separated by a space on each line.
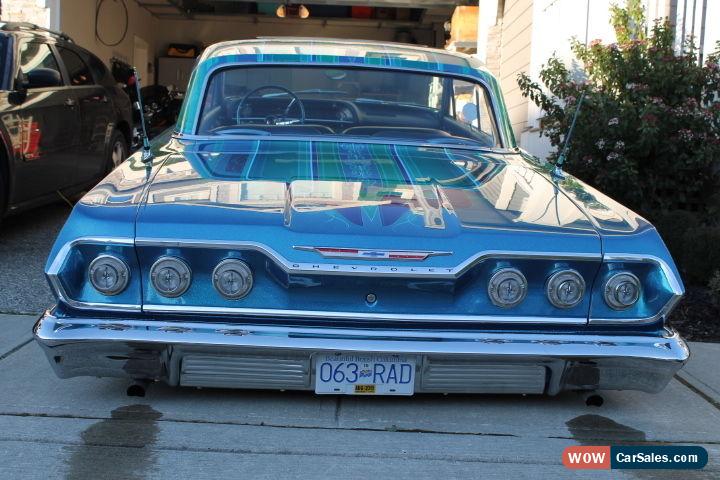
353 374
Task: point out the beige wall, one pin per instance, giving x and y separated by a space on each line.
77 19
515 53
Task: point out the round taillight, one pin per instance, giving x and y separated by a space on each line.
170 276
565 289
232 278
622 291
507 287
108 274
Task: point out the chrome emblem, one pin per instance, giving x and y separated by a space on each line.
363 254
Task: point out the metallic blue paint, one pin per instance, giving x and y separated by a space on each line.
205 200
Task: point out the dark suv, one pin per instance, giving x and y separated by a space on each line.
64 123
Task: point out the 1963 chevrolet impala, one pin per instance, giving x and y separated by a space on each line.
355 218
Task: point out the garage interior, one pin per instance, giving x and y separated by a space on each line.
162 37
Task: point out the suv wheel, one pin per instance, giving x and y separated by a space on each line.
118 151
3 184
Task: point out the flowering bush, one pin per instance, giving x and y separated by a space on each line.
648 132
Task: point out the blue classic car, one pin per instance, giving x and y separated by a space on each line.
356 218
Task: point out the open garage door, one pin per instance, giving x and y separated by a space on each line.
109 28
184 27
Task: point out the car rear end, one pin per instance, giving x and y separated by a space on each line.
333 287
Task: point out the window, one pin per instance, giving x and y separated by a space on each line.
77 69
5 61
470 107
98 69
347 101
35 56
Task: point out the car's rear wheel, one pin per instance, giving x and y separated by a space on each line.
118 151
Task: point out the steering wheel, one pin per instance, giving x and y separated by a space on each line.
282 119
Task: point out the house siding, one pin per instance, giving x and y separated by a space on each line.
515 53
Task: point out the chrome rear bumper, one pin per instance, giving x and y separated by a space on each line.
260 356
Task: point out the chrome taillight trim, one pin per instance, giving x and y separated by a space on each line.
123 273
675 284
54 269
612 301
180 267
361 268
556 280
53 273
502 275
243 270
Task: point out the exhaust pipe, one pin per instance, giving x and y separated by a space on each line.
137 388
593 399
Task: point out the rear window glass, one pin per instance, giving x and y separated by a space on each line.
379 103
77 69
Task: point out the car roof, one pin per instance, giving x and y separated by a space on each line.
32 30
338 48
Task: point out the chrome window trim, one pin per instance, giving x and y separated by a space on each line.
53 273
502 141
339 139
675 284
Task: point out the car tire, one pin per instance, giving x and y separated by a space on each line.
118 151
3 184
3 192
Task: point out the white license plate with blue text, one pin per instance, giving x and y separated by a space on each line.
358 374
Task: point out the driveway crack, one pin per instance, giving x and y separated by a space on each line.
698 392
14 349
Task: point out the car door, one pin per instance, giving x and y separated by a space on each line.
96 116
46 121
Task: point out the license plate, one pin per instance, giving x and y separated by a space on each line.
353 374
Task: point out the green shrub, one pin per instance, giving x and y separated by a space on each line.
700 258
714 287
673 226
648 133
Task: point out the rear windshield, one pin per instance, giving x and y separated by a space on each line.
346 102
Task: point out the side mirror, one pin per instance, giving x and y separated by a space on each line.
18 95
42 78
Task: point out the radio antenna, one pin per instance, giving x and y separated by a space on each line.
558 171
146 154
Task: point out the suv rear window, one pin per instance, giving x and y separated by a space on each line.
99 71
77 69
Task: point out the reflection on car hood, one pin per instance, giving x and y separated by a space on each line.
361 195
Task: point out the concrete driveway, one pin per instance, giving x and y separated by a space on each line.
89 428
